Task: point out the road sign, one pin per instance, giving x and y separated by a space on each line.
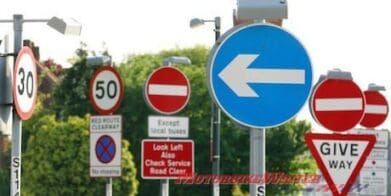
106 90
167 90
162 159
168 126
337 104
259 75
376 109
105 149
340 157
377 181
105 146
25 83
381 136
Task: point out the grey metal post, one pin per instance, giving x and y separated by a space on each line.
109 189
109 181
164 187
216 116
16 159
257 159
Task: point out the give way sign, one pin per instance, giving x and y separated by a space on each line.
340 157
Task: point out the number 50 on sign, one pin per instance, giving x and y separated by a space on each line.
106 90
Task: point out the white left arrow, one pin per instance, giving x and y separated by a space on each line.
237 75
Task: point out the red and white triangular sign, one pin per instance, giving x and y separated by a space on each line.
340 157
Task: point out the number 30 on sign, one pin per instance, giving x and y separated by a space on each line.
106 90
25 83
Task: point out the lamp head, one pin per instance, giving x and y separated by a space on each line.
196 22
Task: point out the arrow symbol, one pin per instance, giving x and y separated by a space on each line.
237 75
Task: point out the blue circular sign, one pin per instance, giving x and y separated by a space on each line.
105 149
260 75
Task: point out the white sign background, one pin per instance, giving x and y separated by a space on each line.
106 102
168 126
114 124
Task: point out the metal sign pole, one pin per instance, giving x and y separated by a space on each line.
257 160
109 182
216 117
164 187
16 160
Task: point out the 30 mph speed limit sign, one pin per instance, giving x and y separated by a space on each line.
25 84
106 90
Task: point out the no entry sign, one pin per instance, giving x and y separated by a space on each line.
167 90
376 109
162 159
337 104
340 157
106 90
25 83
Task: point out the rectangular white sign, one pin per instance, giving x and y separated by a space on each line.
105 146
378 154
168 126
381 136
375 165
377 181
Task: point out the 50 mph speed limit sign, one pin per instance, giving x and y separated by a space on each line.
25 84
106 90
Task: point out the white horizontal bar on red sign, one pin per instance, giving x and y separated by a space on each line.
338 104
167 89
375 109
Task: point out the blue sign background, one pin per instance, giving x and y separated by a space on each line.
105 149
277 49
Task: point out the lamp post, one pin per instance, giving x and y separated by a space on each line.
216 112
70 27
169 61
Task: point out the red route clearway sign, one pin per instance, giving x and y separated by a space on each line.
162 159
340 157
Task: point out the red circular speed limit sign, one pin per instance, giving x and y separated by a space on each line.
167 90
337 104
376 109
106 90
25 84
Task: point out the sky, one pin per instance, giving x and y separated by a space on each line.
350 35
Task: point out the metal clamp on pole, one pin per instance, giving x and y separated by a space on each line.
248 11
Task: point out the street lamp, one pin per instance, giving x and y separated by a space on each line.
176 60
66 27
216 112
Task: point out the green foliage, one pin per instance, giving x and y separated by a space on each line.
71 95
56 161
287 152
5 172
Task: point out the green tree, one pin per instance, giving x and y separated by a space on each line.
56 161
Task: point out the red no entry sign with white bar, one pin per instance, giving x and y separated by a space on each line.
376 109
167 90
337 104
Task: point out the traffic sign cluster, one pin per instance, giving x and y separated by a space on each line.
167 91
338 104
106 93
